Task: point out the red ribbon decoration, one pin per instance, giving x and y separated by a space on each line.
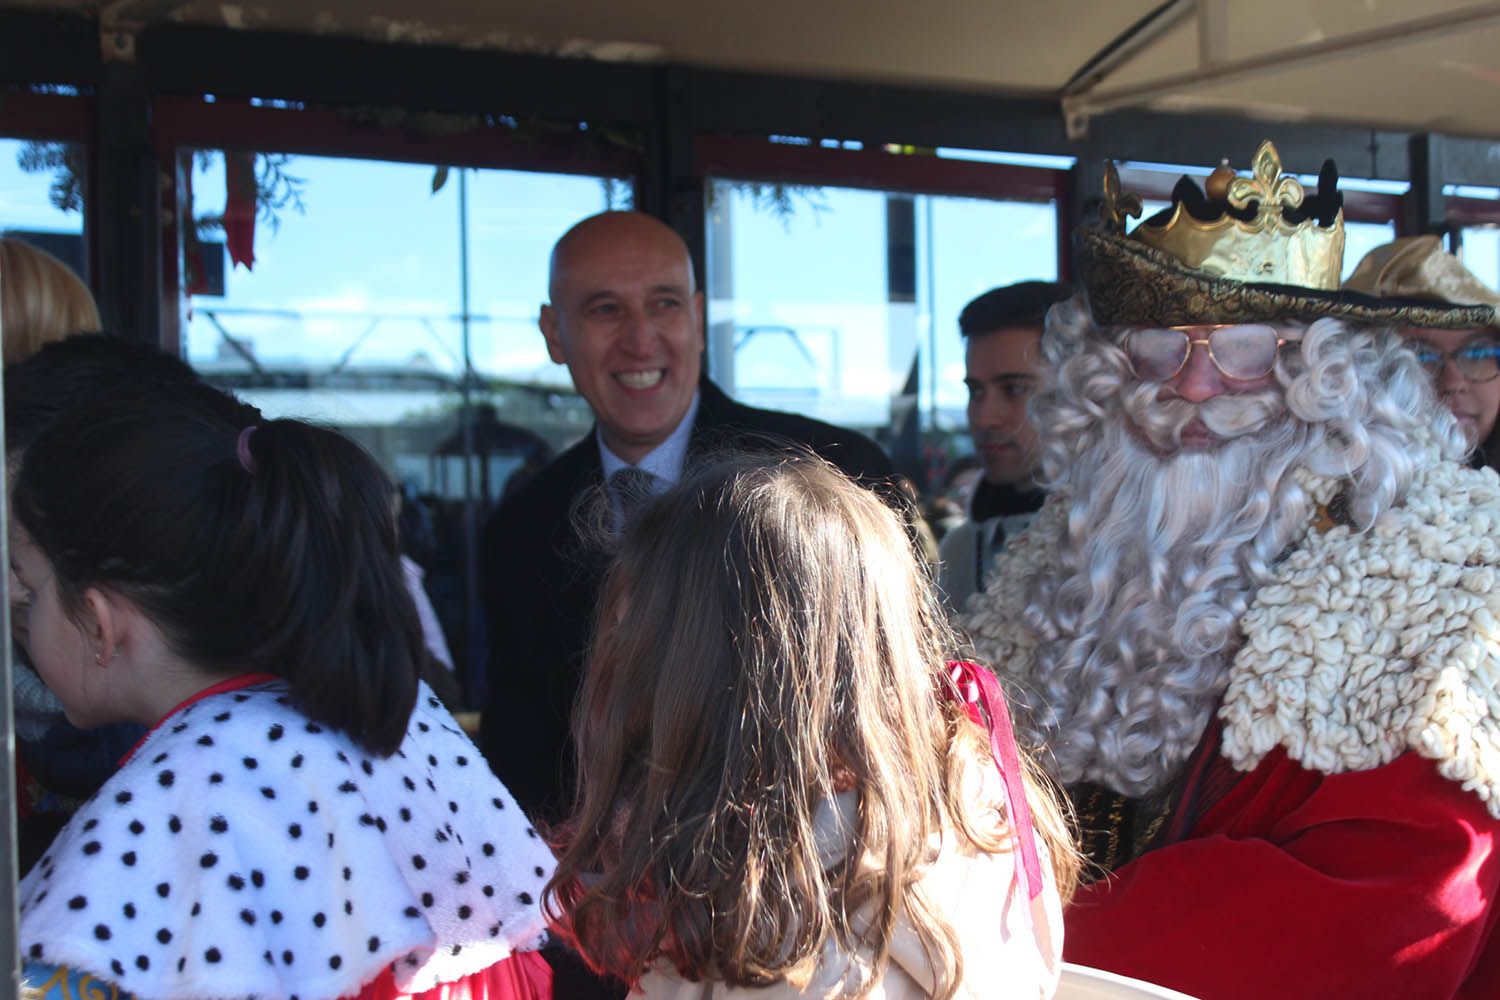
239 207
982 698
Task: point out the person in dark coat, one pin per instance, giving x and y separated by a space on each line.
626 317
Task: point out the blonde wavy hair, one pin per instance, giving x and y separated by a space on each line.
767 640
41 300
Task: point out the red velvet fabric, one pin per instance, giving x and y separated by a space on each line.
525 975
1379 883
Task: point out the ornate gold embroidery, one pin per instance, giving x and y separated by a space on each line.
1234 270
1131 283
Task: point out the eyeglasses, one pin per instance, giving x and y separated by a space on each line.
1241 351
1476 361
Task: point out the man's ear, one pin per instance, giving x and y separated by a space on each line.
547 320
701 319
102 622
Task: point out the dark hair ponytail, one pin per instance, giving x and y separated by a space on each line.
285 563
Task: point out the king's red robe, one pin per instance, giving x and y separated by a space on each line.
1292 883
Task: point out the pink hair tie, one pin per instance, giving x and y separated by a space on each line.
242 449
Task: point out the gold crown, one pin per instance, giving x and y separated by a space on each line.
1275 263
1266 249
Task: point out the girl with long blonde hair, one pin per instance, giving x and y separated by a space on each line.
785 788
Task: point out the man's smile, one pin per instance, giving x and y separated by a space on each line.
641 380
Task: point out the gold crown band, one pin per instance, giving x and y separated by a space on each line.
1267 248
1250 264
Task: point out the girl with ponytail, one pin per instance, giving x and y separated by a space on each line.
303 819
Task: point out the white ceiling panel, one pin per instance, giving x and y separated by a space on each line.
1448 82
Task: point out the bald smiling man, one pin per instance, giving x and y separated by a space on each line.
626 317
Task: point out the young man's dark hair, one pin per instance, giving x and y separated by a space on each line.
1022 304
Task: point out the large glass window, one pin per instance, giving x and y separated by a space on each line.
1362 237
41 197
1480 251
1475 211
843 303
396 302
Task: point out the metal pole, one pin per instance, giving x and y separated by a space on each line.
1128 44
10 984
932 331
472 644
1213 33
1093 102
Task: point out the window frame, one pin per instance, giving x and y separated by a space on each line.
184 122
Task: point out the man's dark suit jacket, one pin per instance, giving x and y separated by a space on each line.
541 583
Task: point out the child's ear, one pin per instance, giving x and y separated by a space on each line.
102 622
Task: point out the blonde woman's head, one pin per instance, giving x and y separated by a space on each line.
41 300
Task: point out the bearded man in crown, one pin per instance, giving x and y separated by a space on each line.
1256 627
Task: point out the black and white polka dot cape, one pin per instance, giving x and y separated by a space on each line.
244 851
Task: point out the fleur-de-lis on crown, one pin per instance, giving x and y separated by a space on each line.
1117 204
1275 191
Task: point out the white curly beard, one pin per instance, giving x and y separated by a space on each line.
1114 620
1139 623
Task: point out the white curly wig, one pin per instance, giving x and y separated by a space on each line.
1162 549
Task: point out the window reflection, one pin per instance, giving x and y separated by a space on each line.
41 197
843 303
396 302
1362 237
1480 252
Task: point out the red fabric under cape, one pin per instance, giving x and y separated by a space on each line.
1378 883
525 975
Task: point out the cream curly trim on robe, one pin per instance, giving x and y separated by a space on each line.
1367 644
1363 645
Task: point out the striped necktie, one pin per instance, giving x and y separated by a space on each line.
632 487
